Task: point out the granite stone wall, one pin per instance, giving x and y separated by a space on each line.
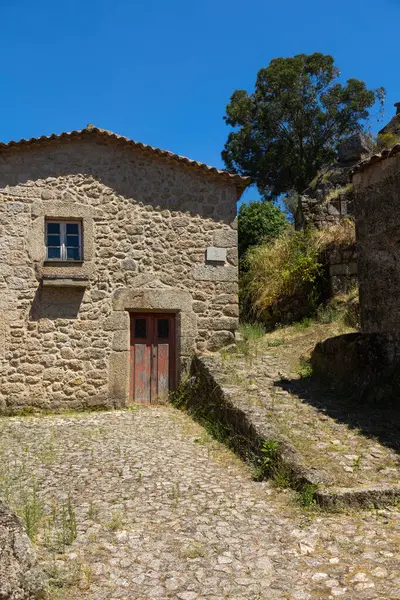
342 269
377 201
147 224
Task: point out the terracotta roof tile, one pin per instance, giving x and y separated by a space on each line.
240 182
387 153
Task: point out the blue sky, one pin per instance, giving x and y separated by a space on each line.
162 72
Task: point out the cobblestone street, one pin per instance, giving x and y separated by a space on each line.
162 511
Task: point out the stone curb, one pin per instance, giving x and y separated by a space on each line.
369 496
246 420
249 423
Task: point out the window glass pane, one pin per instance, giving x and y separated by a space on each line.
72 228
73 254
53 240
53 227
53 253
140 328
72 240
163 328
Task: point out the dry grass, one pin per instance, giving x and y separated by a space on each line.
338 191
280 270
283 279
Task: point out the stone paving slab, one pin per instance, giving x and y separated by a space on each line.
163 512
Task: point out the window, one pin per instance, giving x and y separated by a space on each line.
140 328
163 328
63 240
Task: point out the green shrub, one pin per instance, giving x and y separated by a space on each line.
281 279
306 495
259 222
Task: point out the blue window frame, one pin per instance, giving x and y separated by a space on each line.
63 240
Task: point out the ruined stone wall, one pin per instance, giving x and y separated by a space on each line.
342 269
147 223
377 202
320 211
329 201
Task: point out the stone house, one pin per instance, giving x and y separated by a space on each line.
118 261
377 200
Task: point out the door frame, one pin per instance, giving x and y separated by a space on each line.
173 317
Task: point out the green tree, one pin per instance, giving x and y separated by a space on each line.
259 222
289 127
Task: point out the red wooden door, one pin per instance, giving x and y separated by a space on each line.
152 357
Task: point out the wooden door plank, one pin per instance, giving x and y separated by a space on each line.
163 372
154 364
142 372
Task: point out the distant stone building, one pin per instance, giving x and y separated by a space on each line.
118 260
377 202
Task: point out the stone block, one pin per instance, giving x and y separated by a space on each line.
199 307
118 378
117 321
231 310
225 238
120 340
219 339
218 324
214 254
352 149
211 273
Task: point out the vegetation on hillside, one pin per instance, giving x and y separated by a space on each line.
258 223
386 140
286 280
290 126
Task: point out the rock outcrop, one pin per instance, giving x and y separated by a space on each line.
329 197
20 576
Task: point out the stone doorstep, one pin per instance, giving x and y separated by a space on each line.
327 495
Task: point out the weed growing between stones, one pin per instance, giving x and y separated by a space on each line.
92 511
307 495
282 476
60 528
32 511
265 460
193 550
251 332
116 521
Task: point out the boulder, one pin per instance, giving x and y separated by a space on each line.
354 148
20 576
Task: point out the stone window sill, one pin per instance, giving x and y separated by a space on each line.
63 263
70 282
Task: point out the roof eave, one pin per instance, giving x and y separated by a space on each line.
240 182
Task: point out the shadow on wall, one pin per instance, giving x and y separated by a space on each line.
374 420
56 303
126 171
